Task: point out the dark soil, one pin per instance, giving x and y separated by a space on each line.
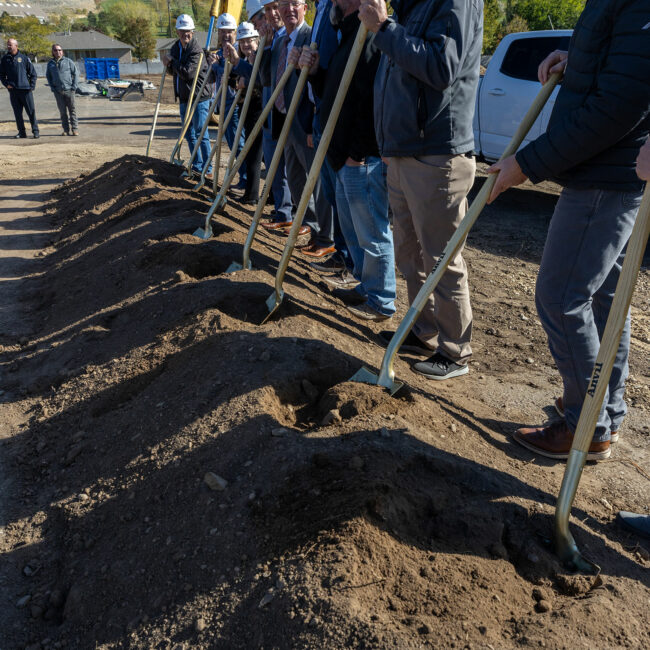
334 516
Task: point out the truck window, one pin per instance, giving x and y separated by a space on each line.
525 54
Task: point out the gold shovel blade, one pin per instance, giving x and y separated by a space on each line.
273 303
203 234
234 267
367 376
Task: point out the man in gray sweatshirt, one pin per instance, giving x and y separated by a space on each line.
63 77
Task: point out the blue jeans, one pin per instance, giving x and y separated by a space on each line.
230 133
193 132
580 266
279 186
328 185
362 203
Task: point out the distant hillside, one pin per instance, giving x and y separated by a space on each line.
58 6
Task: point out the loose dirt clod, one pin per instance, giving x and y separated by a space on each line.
156 381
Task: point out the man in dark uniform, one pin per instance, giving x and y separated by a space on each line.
18 75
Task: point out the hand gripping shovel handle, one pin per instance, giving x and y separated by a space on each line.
275 161
247 101
387 374
155 113
275 299
247 145
222 123
565 545
191 107
213 103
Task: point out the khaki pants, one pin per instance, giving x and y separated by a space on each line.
428 197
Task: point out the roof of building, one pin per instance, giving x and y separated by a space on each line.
22 9
87 41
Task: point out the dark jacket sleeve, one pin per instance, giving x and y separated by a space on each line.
3 73
187 69
435 59
32 75
265 67
618 103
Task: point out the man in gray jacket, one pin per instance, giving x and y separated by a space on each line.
425 91
63 77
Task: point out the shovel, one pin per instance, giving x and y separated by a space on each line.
220 201
213 103
565 545
189 114
271 171
386 377
274 301
247 101
222 123
155 113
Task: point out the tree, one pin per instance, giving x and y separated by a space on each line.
29 33
137 31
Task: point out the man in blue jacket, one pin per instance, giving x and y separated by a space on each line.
18 75
600 120
63 77
424 94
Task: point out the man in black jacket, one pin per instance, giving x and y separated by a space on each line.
18 75
181 62
599 122
361 195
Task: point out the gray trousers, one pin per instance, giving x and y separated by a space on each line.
580 267
65 104
298 158
428 196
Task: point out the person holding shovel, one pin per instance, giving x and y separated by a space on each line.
360 174
424 93
600 120
182 62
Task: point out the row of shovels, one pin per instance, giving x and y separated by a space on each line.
565 544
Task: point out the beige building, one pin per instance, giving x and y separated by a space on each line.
82 45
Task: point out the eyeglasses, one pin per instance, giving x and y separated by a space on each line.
57 49
294 4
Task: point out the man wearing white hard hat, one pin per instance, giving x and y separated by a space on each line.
181 62
266 19
247 44
226 28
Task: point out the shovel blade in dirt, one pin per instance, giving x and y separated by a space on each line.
203 233
366 376
273 303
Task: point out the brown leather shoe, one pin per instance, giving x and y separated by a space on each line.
554 441
318 251
276 225
559 407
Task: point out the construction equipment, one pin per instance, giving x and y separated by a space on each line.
565 545
220 200
386 377
213 103
275 299
191 106
247 101
271 171
155 113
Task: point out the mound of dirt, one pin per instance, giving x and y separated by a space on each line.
193 479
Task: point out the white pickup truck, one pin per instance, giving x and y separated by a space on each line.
509 87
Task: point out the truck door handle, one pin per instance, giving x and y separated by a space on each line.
496 91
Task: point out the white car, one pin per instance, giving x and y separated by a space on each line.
509 87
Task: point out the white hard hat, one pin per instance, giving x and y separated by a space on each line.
267 2
253 7
226 21
246 30
184 22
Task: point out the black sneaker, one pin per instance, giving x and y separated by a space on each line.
411 343
343 280
20 135
333 264
36 136
438 367
349 296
